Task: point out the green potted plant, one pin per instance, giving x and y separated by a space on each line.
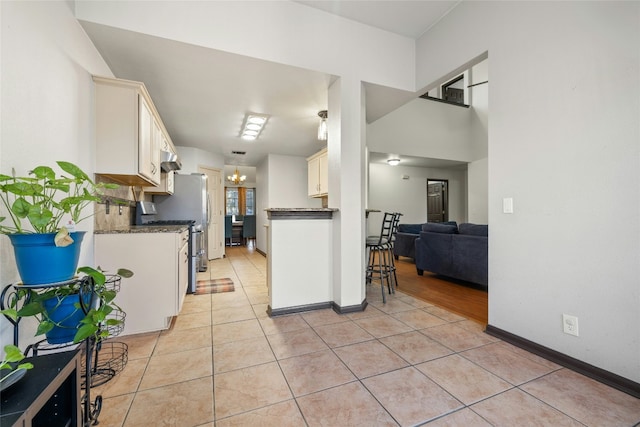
46 249
74 311
11 363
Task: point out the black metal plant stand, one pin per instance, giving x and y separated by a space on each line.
101 360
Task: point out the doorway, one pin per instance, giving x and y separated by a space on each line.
437 200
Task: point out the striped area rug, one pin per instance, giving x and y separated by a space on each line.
214 286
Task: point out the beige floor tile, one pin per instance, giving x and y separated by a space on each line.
383 326
285 414
516 408
369 358
415 347
241 354
466 381
457 338
236 331
392 306
295 343
347 405
418 319
140 346
114 410
369 311
125 382
192 320
506 364
444 314
471 325
314 372
323 317
415 302
410 397
176 340
465 417
177 367
248 389
184 404
339 334
260 310
586 400
232 314
196 303
282 324
524 353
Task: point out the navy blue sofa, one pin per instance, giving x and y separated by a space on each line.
460 252
405 241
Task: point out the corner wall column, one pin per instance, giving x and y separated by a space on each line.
346 158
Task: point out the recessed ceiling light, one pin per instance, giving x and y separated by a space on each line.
252 125
393 162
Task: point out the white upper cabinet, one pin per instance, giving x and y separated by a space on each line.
129 133
318 178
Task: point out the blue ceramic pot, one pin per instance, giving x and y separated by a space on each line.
67 317
40 261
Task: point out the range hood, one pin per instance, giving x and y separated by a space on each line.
169 161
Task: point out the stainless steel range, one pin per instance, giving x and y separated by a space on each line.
146 214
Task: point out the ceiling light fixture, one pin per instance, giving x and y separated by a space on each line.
236 178
393 162
322 127
252 126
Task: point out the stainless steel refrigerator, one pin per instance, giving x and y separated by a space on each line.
190 201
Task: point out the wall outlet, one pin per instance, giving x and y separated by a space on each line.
570 324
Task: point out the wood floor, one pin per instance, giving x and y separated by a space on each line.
466 299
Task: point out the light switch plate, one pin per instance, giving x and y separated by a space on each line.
507 205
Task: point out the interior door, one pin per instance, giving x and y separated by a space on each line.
216 215
437 210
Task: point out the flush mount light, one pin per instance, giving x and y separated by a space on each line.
252 126
322 126
393 162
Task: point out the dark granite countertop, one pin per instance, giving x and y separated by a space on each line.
144 229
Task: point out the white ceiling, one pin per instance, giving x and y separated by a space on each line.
407 18
203 94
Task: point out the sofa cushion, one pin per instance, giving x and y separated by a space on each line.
474 229
437 227
410 228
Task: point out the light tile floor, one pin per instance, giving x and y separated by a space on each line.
226 363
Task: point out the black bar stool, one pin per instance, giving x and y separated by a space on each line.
379 250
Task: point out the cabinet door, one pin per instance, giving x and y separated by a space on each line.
146 139
323 174
313 176
183 272
155 152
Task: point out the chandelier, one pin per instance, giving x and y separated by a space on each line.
236 178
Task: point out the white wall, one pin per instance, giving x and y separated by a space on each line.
478 195
191 158
423 128
262 200
570 158
388 192
288 183
47 104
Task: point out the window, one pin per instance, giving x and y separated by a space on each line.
232 201
250 207
240 201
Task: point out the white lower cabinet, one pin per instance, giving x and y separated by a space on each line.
159 262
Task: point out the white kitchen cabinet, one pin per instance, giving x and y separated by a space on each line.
156 291
166 178
129 132
318 174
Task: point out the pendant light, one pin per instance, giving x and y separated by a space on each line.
322 127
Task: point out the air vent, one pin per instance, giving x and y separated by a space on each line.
242 153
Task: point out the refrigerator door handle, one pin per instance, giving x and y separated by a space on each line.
208 209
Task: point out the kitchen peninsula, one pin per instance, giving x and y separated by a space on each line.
299 261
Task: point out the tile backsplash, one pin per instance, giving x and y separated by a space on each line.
117 207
